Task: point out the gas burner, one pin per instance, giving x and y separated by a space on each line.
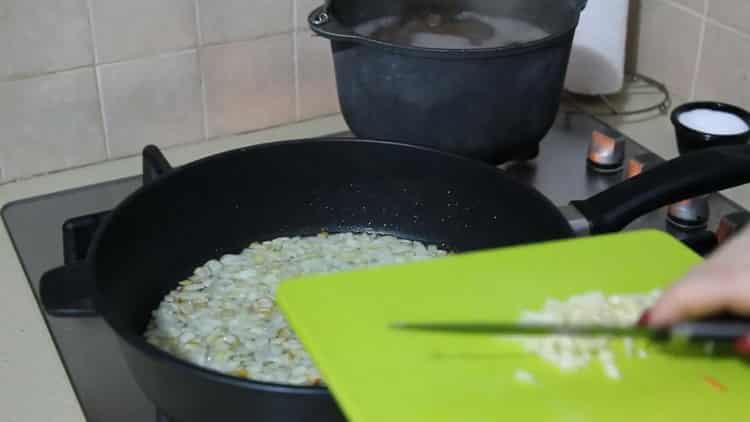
606 152
689 214
641 163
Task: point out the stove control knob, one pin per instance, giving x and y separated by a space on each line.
690 214
731 224
606 154
641 163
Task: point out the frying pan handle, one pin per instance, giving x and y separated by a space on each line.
155 164
67 291
688 176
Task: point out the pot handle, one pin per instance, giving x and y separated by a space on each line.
155 164
67 291
698 173
324 23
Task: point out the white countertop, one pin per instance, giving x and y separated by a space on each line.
35 386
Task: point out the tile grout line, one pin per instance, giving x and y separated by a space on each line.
729 28
102 110
295 60
204 107
247 39
708 19
698 58
685 8
27 77
98 79
163 54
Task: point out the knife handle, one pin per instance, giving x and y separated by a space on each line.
722 328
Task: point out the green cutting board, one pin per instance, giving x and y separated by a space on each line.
379 374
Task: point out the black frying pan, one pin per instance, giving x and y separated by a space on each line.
220 204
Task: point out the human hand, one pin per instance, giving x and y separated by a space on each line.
720 284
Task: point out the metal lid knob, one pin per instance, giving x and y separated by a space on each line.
606 154
689 214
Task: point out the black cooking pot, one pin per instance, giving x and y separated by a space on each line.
493 101
220 204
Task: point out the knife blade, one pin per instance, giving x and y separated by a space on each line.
719 329
524 329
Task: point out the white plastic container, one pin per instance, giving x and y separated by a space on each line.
597 62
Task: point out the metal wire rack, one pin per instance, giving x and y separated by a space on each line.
635 84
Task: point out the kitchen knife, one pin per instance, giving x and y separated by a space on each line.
715 329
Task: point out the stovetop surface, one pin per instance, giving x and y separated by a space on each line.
89 349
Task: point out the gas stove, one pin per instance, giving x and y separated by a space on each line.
580 157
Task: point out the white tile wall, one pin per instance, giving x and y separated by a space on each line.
696 5
699 48
86 80
249 85
725 66
156 100
316 78
241 20
734 13
49 123
302 11
40 36
664 54
126 29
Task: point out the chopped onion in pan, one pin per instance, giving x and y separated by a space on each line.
224 317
